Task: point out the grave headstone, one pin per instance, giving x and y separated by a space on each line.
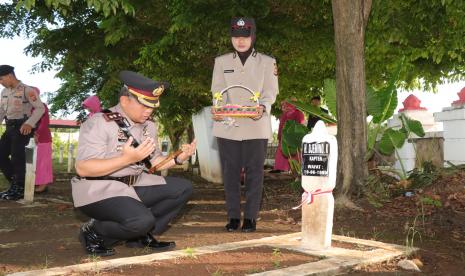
207 146
319 162
70 157
165 148
30 177
61 155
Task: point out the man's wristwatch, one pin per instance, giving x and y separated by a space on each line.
176 161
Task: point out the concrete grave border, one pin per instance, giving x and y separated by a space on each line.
334 260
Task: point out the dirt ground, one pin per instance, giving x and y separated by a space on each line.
45 235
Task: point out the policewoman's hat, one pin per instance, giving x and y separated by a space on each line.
145 90
242 27
6 69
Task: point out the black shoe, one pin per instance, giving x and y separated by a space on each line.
16 193
149 241
233 225
93 242
6 192
249 225
276 171
10 189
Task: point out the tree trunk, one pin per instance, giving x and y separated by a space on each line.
175 138
350 18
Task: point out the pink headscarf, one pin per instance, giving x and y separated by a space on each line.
42 132
92 103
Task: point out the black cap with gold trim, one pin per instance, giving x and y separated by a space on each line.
145 90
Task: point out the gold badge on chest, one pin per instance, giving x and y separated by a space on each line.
145 132
119 148
121 136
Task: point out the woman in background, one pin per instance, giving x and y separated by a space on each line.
92 104
289 112
43 140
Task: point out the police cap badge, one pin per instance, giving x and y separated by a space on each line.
145 90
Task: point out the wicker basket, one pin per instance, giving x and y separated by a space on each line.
234 110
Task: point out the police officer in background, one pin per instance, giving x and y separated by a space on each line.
126 203
243 144
21 108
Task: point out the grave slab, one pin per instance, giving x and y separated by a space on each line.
333 261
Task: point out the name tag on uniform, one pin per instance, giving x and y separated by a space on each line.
229 71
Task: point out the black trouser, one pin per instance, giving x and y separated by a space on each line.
125 218
235 155
13 153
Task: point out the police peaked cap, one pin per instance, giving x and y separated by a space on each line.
243 27
6 69
147 91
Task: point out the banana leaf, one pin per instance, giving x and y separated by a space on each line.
412 126
329 90
313 110
392 139
292 136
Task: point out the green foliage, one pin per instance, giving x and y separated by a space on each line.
63 6
276 258
424 176
329 91
313 110
58 143
190 252
296 185
90 41
429 201
382 103
394 139
376 190
217 272
412 233
412 126
292 136
391 140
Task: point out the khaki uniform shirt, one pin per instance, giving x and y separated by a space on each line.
259 73
99 139
18 102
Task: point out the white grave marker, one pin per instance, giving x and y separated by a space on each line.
319 161
30 177
70 157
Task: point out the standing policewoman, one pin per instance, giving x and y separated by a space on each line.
242 144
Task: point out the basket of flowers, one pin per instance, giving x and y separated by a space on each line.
234 110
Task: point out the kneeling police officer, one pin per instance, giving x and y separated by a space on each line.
113 187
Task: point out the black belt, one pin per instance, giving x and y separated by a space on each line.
15 122
128 180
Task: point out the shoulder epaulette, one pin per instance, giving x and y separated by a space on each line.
111 116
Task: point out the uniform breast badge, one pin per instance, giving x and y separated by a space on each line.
121 136
145 132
